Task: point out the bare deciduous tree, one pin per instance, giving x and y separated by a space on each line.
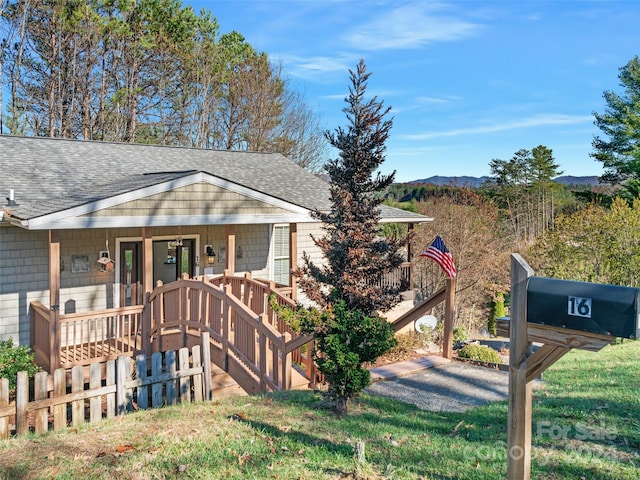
147 71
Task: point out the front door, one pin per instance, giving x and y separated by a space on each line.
171 259
130 274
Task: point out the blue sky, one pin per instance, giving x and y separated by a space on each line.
467 81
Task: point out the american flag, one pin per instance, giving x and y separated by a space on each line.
439 252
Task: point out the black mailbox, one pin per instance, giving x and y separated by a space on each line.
588 307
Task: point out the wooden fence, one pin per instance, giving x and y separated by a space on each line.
45 402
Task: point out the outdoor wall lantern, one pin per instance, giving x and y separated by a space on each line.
211 255
240 252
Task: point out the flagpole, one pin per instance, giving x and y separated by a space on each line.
447 340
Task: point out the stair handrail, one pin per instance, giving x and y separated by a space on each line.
420 309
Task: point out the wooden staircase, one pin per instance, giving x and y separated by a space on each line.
447 295
253 348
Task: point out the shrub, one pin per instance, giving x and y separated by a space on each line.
497 311
14 359
481 353
345 340
459 334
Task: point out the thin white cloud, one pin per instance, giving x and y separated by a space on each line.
535 17
535 121
601 59
314 67
410 26
335 96
437 100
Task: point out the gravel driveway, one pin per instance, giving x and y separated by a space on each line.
452 387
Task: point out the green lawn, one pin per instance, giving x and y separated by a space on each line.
586 424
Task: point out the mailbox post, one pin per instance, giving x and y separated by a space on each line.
519 422
561 315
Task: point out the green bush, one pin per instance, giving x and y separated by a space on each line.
481 353
459 334
497 311
14 359
345 339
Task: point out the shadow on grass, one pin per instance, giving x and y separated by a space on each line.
403 441
328 447
14 473
605 429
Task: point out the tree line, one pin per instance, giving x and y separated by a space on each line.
148 71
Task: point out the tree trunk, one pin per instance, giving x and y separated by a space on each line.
132 103
103 95
342 404
52 83
15 128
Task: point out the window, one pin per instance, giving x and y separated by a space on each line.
281 254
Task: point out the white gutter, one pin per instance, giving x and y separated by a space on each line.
17 223
418 221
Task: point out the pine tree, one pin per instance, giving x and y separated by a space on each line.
619 147
357 257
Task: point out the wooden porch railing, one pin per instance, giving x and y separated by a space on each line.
400 277
42 337
447 295
174 315
255 294
100 336
86 337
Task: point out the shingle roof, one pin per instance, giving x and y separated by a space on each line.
50 175
91 192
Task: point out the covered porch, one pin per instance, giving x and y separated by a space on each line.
248 340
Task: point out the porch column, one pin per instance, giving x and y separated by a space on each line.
411 227
293 259
231 249
147 286
54 300
449 305
147 260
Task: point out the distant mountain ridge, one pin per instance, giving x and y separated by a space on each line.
464 181
476 182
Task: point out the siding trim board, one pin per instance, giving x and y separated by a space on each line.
166 221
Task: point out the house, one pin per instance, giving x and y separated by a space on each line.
88 226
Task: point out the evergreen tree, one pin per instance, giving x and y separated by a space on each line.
525 190
357 257
619 152
146 71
